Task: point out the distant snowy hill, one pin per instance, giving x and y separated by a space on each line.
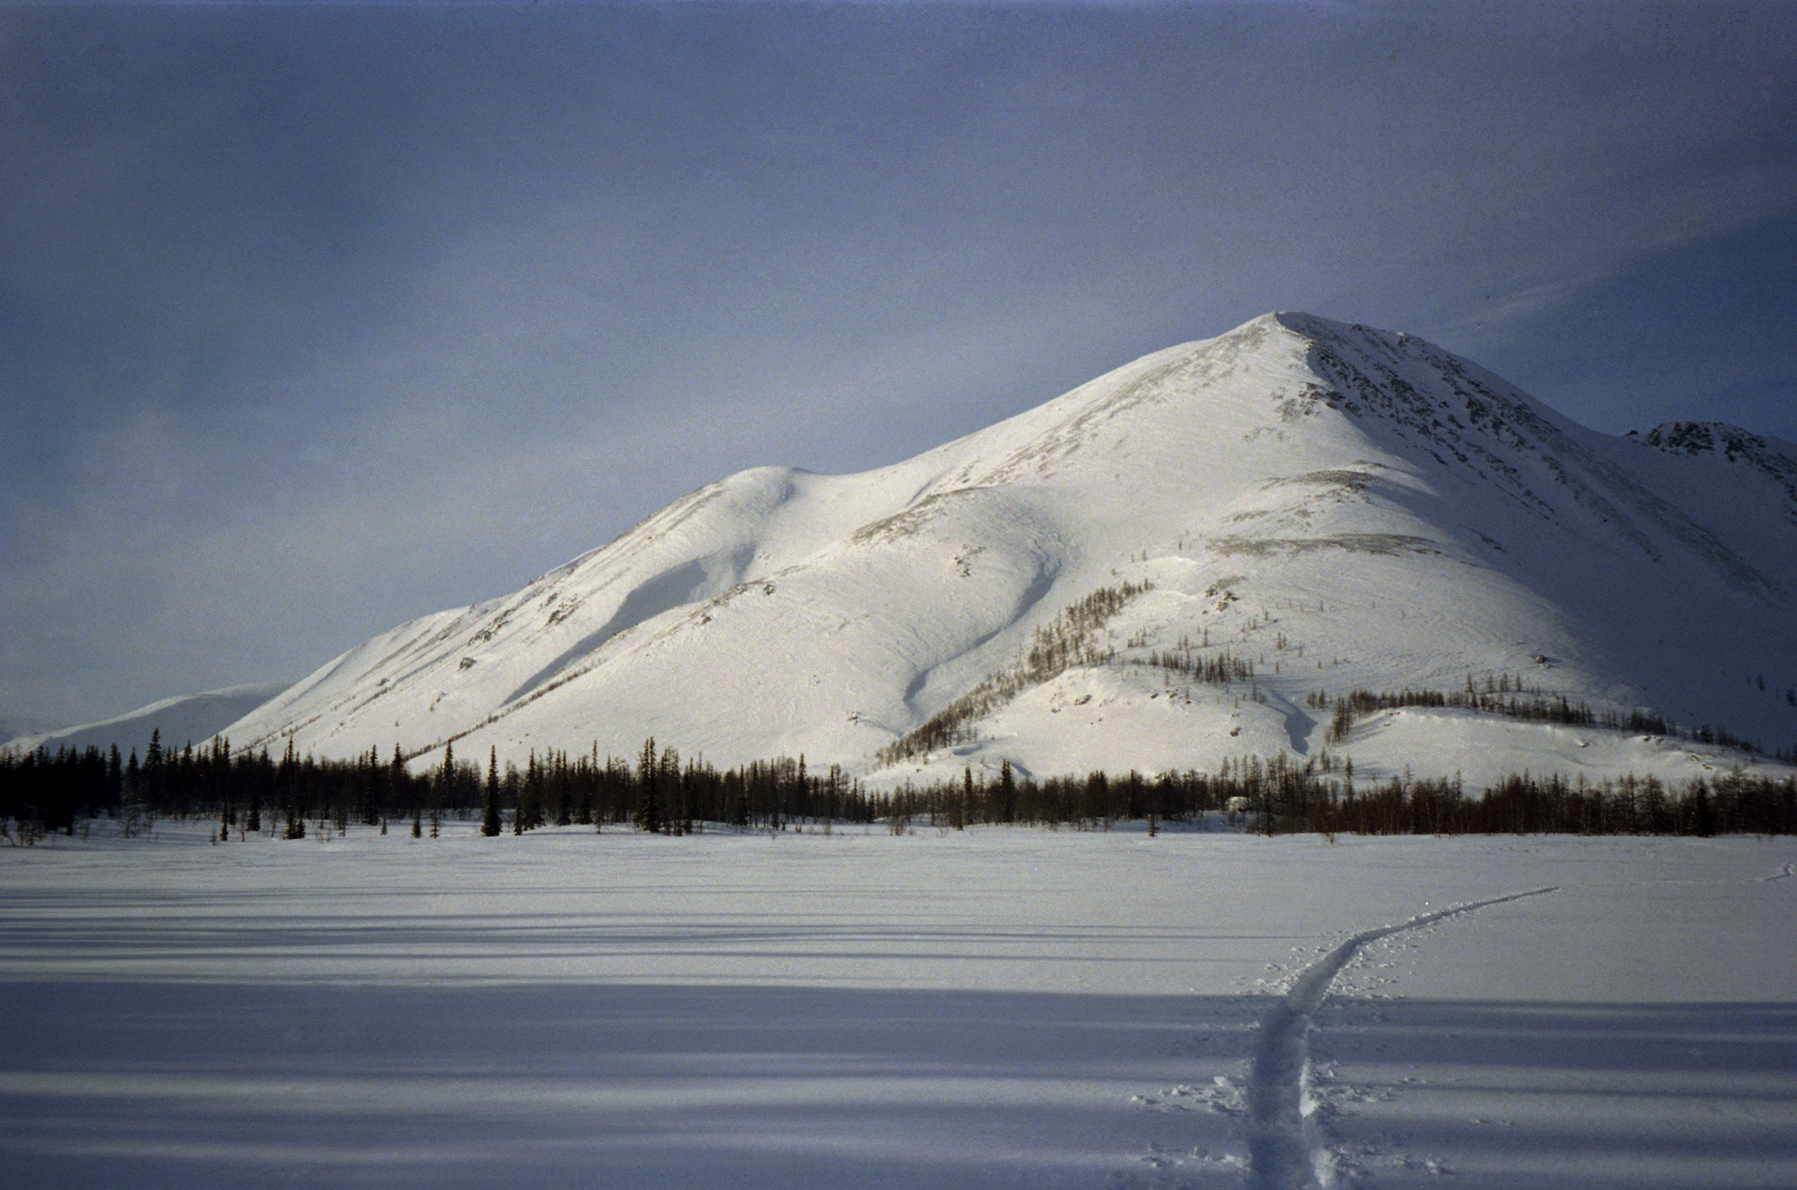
188 718
1089 584
11 727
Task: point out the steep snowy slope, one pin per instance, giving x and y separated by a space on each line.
1088 585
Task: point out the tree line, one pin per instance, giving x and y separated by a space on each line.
1277 796
253 792
660 791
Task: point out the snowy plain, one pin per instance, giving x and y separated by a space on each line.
989 1008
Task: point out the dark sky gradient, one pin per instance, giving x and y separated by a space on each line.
317 318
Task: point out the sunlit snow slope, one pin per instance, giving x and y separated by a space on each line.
1336 506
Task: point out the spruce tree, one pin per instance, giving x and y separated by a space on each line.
561 786
373 799
130 790
648 808
1703 814
150 778
683 799
115 776
398 779
296 821
489 818
530 799
253 823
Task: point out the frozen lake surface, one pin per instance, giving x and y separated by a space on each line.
994 1008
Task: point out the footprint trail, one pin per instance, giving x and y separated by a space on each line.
1285 1147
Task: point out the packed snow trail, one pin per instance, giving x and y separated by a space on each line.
1285 1150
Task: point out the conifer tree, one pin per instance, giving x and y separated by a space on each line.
674 791
1703 814
373 799
150 776
398 780
130 790
489 818
115 776
296 821
648 808
530 798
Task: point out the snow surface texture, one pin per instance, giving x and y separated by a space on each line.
994 1008
1340 507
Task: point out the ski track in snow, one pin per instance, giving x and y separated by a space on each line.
1285 1146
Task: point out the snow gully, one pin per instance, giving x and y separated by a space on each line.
1285 1146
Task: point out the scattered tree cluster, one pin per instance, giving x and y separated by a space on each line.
1222 668
1068 641
1507 697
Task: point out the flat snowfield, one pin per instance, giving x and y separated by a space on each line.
994 1008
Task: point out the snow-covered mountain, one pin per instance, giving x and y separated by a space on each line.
188 718
1086 585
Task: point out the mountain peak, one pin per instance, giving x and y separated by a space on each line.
1707 438
1772 460
1327 506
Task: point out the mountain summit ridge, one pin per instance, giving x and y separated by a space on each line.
1340 507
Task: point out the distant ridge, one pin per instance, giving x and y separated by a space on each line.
181 720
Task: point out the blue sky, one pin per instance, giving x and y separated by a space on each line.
317 318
